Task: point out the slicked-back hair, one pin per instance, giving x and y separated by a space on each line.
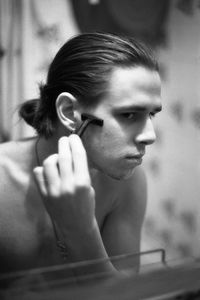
82 67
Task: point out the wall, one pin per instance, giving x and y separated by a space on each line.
173 163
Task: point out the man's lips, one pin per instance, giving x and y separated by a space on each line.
135 158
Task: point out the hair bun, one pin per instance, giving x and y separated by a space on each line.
28 110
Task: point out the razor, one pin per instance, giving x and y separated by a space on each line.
88 119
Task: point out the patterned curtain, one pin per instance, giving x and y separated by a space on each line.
31 32
11 76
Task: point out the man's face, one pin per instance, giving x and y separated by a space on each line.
133 98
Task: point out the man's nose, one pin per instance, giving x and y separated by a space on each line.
147 134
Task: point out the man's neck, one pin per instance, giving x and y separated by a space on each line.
45 147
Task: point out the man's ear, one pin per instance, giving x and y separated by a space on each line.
66 105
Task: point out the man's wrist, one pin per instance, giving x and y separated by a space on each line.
81 232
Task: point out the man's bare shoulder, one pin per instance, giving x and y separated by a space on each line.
15 152
8 154
11 148
14 164
7 151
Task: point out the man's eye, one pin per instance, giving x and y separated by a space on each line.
129 116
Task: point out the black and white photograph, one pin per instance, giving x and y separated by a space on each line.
100 149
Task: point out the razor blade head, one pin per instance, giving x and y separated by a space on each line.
92 119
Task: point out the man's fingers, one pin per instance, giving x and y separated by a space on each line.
80 163
65 160
40 180
65 170
51 175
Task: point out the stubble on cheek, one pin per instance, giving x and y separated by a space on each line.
105 148
110 146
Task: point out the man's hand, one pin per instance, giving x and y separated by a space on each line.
65 185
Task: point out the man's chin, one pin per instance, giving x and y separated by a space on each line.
122 175
119 174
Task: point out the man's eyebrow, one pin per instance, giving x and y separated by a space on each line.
138 108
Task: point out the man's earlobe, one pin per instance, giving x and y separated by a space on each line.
65 106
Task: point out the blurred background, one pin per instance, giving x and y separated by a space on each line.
32 31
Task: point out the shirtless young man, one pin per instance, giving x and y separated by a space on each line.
91 189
